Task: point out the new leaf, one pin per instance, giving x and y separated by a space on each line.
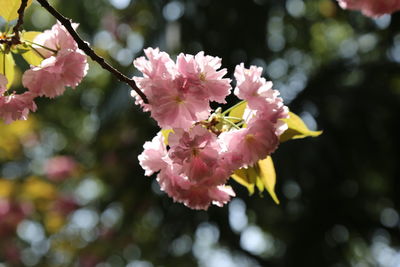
297 129
9 8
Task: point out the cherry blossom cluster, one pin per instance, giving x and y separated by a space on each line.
371 8
63 65
204 149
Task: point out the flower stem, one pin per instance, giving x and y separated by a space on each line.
42 46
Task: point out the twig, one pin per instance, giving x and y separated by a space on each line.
15 39
89 51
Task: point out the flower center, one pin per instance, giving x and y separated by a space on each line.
202 76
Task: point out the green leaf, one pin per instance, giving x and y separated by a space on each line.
9 9
266 173
31 56
238 110
7 67
261 175
297 129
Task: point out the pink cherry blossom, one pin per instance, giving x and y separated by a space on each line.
203 150
253 88
372 8
157 66
16 106
249 145
65 67
153 158
57 38
59 168
179 93
191 194
199 154
55 73
203 77
171 107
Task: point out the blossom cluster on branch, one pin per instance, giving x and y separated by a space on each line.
61 64
202 149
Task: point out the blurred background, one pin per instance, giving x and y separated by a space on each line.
72 192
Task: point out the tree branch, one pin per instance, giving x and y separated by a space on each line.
15 39
89 51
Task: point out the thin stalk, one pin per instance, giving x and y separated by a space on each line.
42 46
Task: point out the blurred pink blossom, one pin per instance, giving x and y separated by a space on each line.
60 168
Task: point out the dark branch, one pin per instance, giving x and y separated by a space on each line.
89 51
15 39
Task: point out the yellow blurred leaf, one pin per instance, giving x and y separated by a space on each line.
6 188
7 67
31 56
9 9
53 221
36 189
12 135
297 129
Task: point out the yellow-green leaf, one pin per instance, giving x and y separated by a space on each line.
261 175
7 67
297 129
165 133
238 111
31 56
243 177
266 173
9 9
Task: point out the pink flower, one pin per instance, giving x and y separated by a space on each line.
65 67
55 73
191 194
179 94
204 151
203 77
152 158
158 66
371 8
253 88
16 106
248 145
171 107
60 168
58 39
199 154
